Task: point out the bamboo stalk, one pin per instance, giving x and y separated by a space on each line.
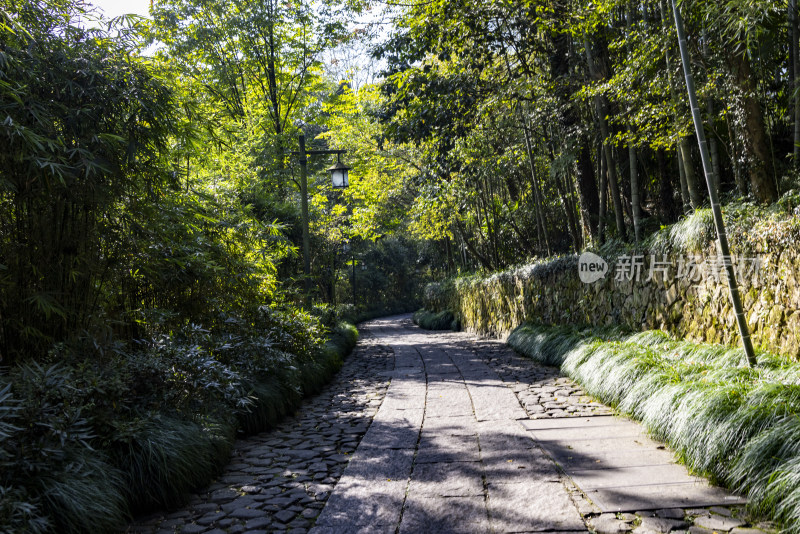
722 237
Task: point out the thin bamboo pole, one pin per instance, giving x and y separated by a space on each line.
708 170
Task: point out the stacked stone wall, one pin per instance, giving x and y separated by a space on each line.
690 304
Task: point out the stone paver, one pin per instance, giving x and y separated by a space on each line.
441 432
621 469
280 480
474 466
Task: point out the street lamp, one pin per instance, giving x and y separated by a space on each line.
340 181
339 173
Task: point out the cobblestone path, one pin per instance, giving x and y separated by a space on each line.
279 480
421 432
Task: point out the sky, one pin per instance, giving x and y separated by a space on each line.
115 8
350 62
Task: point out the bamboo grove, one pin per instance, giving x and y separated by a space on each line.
549 125
151 289
146 176
133 184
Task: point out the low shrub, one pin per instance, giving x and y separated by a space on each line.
88 439
443 320
19 512
738 425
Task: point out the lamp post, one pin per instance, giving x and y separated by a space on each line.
355 303
339 178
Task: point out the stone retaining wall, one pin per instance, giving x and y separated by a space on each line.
694 307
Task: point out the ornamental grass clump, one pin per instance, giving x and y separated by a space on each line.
167 457
738 425
87 442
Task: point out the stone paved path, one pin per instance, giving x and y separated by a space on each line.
423 432
280 480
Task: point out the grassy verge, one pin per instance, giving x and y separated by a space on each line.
85 445
443 320
739 426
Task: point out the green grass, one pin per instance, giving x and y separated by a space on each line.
690 234
272 397
277 393
86 495
169 457
443 320
67 472
737 425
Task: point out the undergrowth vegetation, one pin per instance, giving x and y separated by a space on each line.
750 227
85 440
443 320
736 424
144 322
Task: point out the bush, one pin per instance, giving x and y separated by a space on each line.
443 320
20 513
163 458
50 466
87 440
738 425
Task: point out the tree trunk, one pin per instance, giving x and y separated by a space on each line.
601 224
666 196
687 205
529 248
741 184
722 237
537 199
451 264
691 178
635 202
587 192
756 144
572 225
685 197
636 208
712 124
561 62
601 109
616 198
572 198
485 262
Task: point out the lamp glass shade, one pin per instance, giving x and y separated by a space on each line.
339 175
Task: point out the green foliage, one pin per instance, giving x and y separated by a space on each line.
84 124
342 340
147 240
49 466
443 320
690 234
84 442
750 228
86 494
505 103
736 424
20 513
164 457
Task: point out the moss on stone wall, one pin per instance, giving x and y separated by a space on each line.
765 244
